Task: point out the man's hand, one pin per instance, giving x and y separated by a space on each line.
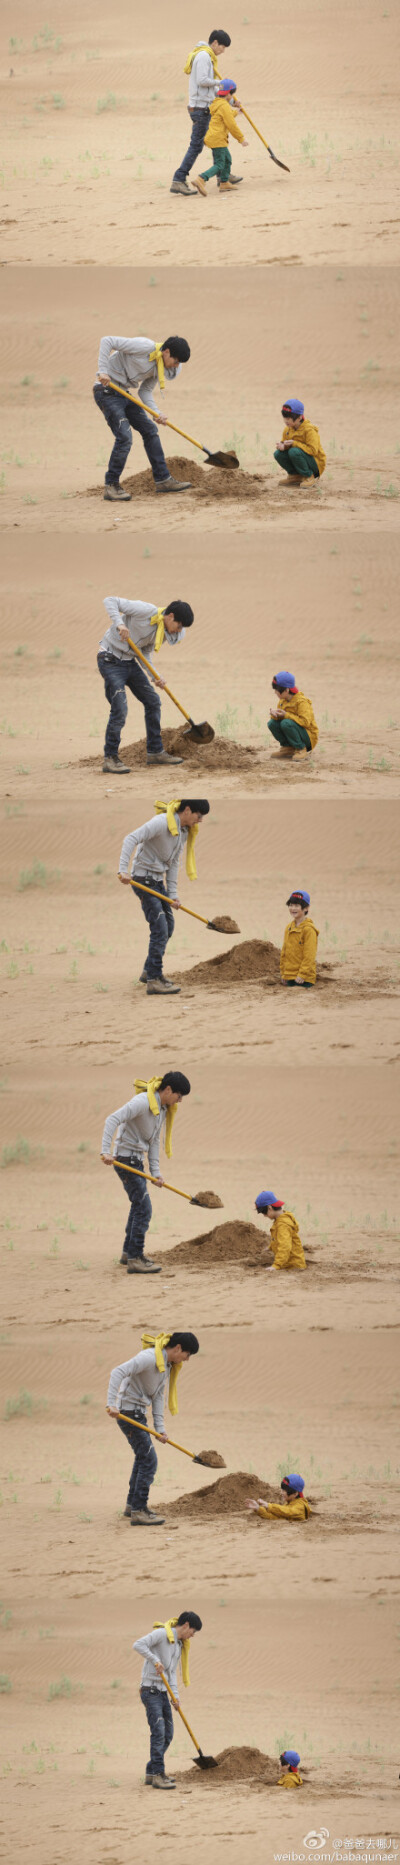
163 1437
159 1180
157 680
105 380
113 1413
175 1701
125 878
175 903
122 631
107 1159
162 418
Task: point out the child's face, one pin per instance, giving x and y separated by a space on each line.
297 912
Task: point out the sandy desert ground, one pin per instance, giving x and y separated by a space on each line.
95 122
331 336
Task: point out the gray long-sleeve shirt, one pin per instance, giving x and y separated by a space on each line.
137 618
203 85
156 1649
127 361
157 851
139 1130
138 1383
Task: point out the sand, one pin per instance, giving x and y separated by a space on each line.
226 1497
220 756
241 1764
210 1199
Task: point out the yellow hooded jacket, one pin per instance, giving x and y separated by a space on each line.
291 1779
223 125
297 1510
285 1242
299 708
299 951
307 437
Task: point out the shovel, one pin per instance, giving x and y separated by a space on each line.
203 731
253 126
152 1181
202 1761
201 1459
212 924
228 460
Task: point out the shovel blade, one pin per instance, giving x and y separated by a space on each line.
204 1761
227 460
275 158
203 732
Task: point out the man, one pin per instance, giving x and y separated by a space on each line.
136 364
149 627
298 960
140 1123
292 722
163 1649
284 1239
157 846
133 1387
294 1509
290 1776
202 69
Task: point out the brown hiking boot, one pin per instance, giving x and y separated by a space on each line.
146 1518
143 1266
225 187
172 485
115 764
117 493
163 1780
162 757
180 187
200 184
284 752
161 987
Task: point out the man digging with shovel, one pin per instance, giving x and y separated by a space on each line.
147 626
133 1387
135 364
140 1123
157 846
163 1650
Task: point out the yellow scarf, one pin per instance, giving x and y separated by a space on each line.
149 1088
167 1626
157 621
169 809
202 48
158 1341
156 356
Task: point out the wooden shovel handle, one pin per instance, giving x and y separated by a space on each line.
150 1177
152 412
155 1434
170 903
167 689
180 1712
253 126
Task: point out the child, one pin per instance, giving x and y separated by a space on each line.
293 722
296 1509
300 451
299 950
284 1240
290 1776
223 124
163 1650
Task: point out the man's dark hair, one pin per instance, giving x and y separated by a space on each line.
223 37
190 1618
173 1079
188 1342
181 611
198 804
178 348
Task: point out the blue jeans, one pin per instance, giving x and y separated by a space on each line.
200 123
140 1206
295 462
145 1463
117 675
121 417
160 1719
161 921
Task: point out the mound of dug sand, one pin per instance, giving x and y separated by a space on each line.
226 1243
254 959
227 1496
238 1764
222 755
212 483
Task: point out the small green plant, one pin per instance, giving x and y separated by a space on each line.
37 876
5 1684
58 101
227 721
16 1155
109 102
63 1689
21 1407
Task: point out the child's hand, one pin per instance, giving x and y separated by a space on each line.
245 143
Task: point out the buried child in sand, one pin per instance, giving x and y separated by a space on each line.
140 1123
135 364
300 940
148 626
223 125
163 1650
290 1761
157 846
284 1242
292 722
133 1387
300 452
295 1509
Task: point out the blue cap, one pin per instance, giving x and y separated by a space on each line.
299 894
290 1755
294 1483
284 679
227 84
266 1198
291 406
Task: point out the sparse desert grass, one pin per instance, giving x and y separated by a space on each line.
63 1689
22 1406
37 876
5 1684
109 102
17 1155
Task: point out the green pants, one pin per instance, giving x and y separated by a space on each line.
294 461
222 164
288 732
